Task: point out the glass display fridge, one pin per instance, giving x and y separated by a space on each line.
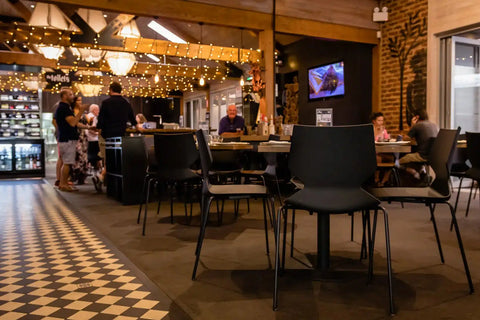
22 158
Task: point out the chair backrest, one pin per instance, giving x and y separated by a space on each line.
459 158
341 156
175 151
440 159
473 148
205 154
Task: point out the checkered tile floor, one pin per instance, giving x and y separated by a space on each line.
52 266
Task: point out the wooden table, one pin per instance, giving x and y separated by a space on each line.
258 138
383 147
393 147
231 146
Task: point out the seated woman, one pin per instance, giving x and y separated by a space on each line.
141 121
381 134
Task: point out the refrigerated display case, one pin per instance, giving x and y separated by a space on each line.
19 114
22 158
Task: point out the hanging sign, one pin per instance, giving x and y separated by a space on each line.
57 79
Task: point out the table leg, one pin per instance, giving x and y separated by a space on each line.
323 241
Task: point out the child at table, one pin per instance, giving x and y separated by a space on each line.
381 134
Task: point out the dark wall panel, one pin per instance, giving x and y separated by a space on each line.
356 105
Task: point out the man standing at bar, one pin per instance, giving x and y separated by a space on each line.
231 125
112 120
67 135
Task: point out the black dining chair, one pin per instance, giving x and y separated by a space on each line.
332 163
438 192
459 167
473 152
174 155
224 192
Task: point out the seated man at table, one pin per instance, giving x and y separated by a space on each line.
231 125
423 132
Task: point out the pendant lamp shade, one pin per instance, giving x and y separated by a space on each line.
88 55
31 85
93 18
120 62
130 30
89 90
50 52
50 16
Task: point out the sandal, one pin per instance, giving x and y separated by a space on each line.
57 183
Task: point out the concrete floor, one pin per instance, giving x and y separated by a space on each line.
235 276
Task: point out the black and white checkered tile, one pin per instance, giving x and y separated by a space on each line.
52 266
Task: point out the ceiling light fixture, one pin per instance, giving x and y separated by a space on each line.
88 55
89 90
164 32
50 16
93 18
50 52
153 57
130 30
120 62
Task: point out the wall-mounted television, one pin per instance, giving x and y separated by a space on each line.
326 80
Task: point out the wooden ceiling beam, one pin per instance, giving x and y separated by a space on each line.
25 34
180 10
325 30
230 17
21 9
27 59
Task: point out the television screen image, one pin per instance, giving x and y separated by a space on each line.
326 81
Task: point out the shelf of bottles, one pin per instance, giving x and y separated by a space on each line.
22 158
19 115
6 157
28 156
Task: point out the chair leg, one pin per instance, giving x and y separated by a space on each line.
284 238
201 236
458 194
369 232
172 188
469 198
372 247
277 258
145 181
389 261
159 202
146 206
292 234
432 218
363 251
272 215
389 258
352 221
265 224
462 250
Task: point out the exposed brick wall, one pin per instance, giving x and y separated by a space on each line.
398 15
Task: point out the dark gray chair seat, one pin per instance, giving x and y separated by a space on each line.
332 200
